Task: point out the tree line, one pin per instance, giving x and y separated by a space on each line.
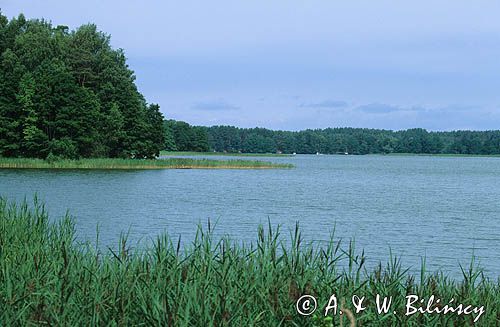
70 94
184 137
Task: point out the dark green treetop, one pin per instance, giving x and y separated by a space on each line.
70 94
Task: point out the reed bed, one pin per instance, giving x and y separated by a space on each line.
170 163
229 154
47 278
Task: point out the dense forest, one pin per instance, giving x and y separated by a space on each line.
69 94
180 136
183 137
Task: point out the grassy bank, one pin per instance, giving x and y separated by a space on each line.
170 163
228 154
46 278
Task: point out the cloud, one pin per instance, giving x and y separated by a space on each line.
216 105
382 108
379 108
325 104
460 107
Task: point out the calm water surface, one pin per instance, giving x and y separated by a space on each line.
446 209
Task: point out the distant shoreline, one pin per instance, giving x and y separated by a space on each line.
285 155
439 155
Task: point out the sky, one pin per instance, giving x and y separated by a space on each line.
294 65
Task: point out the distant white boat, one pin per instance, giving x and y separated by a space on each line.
294 153
317 153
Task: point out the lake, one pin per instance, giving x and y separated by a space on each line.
443 208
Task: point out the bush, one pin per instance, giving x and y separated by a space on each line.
63 148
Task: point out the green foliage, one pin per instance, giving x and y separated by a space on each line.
46 278
62 148
255 143
169 138
185 137
70 94
351 140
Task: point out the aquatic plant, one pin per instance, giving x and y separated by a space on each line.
48 278
172 163
228 154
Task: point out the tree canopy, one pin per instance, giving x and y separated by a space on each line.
70 94
330 140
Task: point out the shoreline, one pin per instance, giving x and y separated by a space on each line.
450 155
285 155
138 164
225 154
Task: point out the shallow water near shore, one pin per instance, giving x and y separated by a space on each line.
443 208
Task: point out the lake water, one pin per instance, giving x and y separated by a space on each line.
444 208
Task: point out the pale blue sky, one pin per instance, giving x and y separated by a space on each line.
304 64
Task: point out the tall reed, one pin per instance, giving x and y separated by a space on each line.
106 163
47 278
228 154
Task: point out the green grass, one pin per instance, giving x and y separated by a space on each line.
230 154
170 163
46 278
